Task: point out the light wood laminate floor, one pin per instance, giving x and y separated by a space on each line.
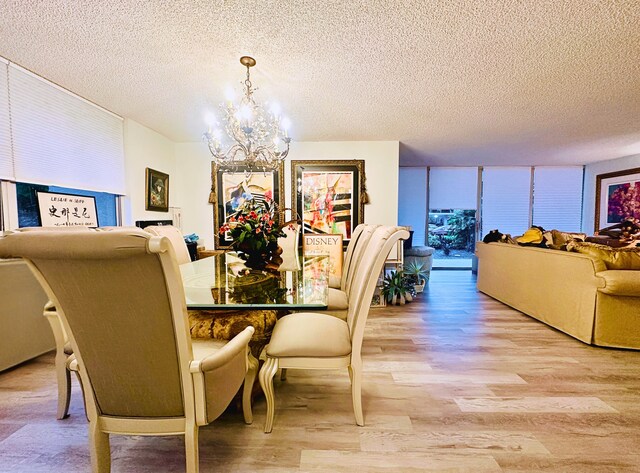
453 382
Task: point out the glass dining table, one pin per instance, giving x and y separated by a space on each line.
224 282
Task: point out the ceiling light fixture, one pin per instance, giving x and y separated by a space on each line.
259 138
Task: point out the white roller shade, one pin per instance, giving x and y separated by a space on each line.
506 199
557 198
61 139
453 188
6 160
412 202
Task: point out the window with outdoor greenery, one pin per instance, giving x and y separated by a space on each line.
452 233
28 215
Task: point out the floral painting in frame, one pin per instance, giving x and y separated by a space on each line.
327 195
617 197
234 185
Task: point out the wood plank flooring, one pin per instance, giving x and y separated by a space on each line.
454 382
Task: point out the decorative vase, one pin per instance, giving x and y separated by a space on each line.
260 259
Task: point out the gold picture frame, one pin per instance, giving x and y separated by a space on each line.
156 190
329 195
610 189
225 179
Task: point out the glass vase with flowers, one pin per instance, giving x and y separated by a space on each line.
255 228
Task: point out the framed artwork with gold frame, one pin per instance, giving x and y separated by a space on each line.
328 195
156 191
617 197
234 184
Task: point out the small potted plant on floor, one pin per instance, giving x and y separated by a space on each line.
418 274
396 288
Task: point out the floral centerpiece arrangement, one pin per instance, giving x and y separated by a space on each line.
255 228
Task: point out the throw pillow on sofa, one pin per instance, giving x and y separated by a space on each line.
614 258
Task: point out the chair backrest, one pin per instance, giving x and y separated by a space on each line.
289 245
358 251
175 237
368 271
355 235
120 298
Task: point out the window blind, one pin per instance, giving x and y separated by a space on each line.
506 199
412 202
6 160
61 139
453 188
557 198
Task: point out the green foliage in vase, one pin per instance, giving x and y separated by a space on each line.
416 272
397 285
255 227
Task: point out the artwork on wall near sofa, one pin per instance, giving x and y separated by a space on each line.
233 185
617 197
327 195
157 191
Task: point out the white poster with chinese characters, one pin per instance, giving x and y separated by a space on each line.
67 210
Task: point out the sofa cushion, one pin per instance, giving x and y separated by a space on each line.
621 283
614 258
562 238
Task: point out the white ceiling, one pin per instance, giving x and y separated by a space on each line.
456 82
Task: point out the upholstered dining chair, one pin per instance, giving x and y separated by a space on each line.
175 237
307 340
63 347
121 302
338 298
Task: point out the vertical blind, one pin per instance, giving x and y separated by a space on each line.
6 161
412 200
506 199
61 139
557 198
453 188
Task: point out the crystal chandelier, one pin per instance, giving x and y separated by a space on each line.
259 138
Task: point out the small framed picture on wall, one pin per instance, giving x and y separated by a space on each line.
157 191
617 197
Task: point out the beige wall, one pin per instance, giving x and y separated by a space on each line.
381 158
144 148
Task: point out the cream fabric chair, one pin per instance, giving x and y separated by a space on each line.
308 340
175 237
121 302
289 245
63 347
338 300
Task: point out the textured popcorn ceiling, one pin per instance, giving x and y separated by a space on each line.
456 82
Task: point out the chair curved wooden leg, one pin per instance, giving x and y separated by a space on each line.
283 374
100 449
249 380
355 372
64 389
191 448
267 373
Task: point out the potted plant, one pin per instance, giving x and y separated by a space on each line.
418 274
396 288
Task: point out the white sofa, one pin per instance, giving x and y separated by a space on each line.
572 292
25 332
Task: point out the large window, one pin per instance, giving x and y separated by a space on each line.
506 199
412 199
557 198
28 215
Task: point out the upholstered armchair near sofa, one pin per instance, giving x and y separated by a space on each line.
572 292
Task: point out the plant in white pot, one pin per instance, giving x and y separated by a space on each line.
418 274
396 288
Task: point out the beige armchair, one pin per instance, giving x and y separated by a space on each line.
308 340
121 302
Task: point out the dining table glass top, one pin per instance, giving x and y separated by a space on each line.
224 282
